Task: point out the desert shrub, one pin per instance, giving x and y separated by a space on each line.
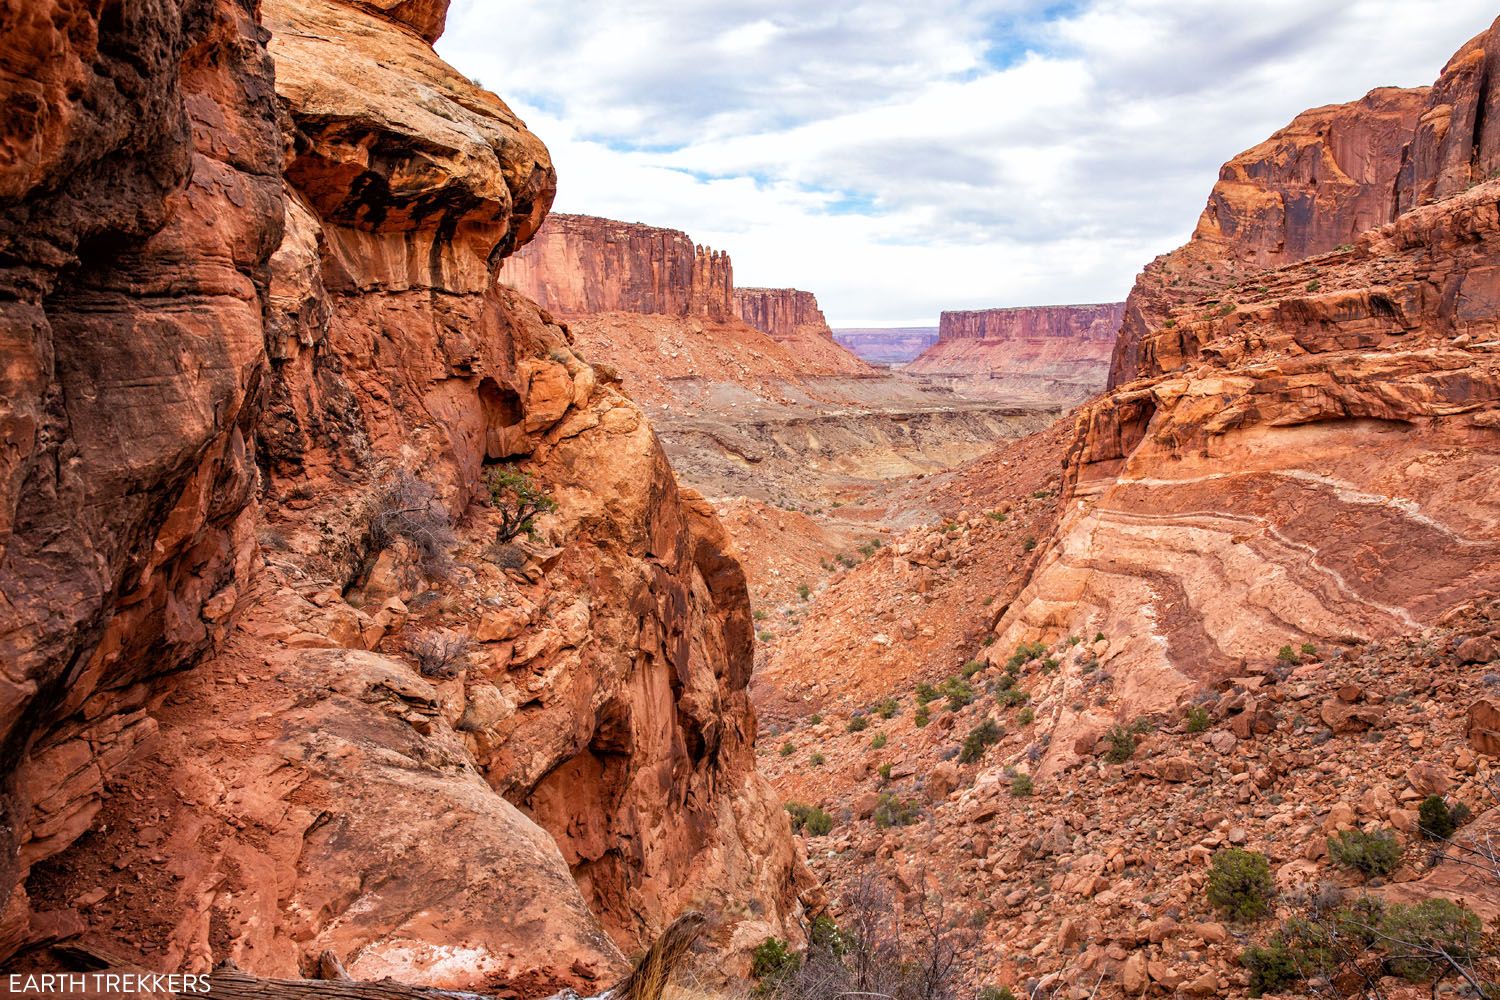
804 591
407 508
1029 544
1272 968
1314 285
519 498
1026 716
971 668
1121 745
773 960
1240 884
891 810
878 741
1422 934
825 934
1011 697
441 654
958 692
1021 785
1197 719
816 759
857 724
925 693
886 708
1286 654
1024 653
760 615
1308 649
788 748
885 772
1435 819
996 993
921 716
809 819
1374 853
816 719
765 635
980 739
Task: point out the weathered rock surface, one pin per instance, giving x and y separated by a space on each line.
585 769
1068 346
887 346
581 264
782 313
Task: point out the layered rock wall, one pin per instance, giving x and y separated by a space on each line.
1075 323
892 346
182 304
580 265
1316 461
781 313
1060 345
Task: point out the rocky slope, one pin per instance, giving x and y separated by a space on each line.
887 346
256 575
581 264
1064 350
782 313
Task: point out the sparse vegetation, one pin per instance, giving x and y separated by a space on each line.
1197 719
519 498
971 668
980 739
1286 654
1021 785
1122 745
1314 285
804 591
886 708
773 960
921 716
884 771
406 508
958 692
891 810
788 748
1308 649
441 654
817 759
1026 716
1240 884
878 741
809 819
1029 544
1373 853
857 724
926 693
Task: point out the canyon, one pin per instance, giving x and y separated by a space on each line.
407 587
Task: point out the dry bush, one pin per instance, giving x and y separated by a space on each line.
407 508
441 654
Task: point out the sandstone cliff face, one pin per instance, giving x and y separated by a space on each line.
781 313
1316 461
587 768
580 264
141 200
1067 346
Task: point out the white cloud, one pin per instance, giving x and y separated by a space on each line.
899 159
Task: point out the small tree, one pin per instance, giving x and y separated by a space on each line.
1374 853
1240 884
519 498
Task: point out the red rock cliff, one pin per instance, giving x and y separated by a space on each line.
580 264
1068 344
179 305
1331 174
782 313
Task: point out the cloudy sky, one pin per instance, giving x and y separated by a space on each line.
901 158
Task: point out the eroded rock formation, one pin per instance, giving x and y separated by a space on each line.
781 313
581 264
1316 460
182 305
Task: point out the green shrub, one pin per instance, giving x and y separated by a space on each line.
817 760
1021 785
1376 853
980 739
878 741
1099 637
1029 544
519 498
1308 649
1197 719
1272 968
788 748
1121 745
1435 819
887 707
921 716
773 960
857 724
765 636
1024 653
1286 654
925 693
971 668
891 811
1314 285
958 692
1011 697
1240 884
825 934
815 719
996 993
804 591
885 772
1026 716
1429 926
814 821
759 615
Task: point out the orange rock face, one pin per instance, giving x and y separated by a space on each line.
782 313
580 264
191 305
